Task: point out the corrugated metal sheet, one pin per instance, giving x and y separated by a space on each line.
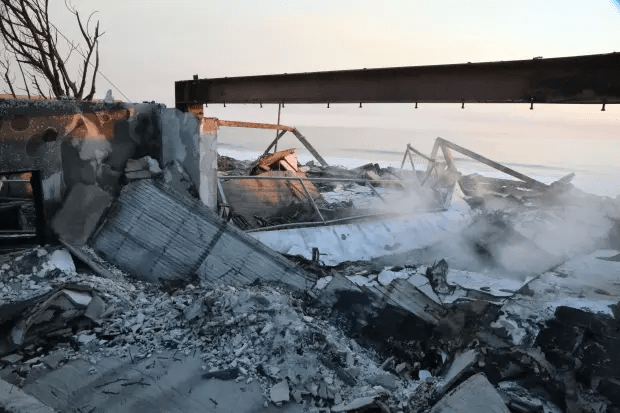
155 233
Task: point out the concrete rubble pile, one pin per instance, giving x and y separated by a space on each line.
312 353
261 333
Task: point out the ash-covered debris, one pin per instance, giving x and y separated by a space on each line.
499 313
276 196
259 333
347 343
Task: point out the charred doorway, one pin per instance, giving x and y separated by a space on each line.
22 220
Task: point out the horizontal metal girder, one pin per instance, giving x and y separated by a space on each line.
578 79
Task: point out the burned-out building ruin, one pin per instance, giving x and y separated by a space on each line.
142 271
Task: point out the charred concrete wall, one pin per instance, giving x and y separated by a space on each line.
84 148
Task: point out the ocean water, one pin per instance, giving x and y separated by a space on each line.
546 143
594 162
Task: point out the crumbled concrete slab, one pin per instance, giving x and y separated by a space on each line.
52 360
138 175
15 400
134 165
459 366
96 308
61 259
162 383
279 392
354 404
387 276
476 394
387 380
297 396
81 211
520 399
11 359
229 374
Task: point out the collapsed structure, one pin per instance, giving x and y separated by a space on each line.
140 270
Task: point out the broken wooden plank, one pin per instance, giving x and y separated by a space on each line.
284 159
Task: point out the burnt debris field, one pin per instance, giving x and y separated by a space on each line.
141 271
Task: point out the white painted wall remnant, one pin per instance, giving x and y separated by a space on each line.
191 141
208 162
51 187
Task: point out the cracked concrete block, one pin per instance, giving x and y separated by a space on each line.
80 213
387 380
461 363
139 175
15 400
134 165
476 394
279 392
354 404
11 359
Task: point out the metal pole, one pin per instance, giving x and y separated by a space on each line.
402 165
414 150
311 199
309 147
225 208
336 221
374 191
275 148
488 162
428 174
275 141
382 181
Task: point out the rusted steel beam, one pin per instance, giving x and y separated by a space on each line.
309 147
447 144
236 124
577 79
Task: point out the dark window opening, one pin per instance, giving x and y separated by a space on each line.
22 220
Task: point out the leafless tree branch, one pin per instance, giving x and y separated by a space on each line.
5 63
32 39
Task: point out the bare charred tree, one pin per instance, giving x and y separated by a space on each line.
33 41
7 75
